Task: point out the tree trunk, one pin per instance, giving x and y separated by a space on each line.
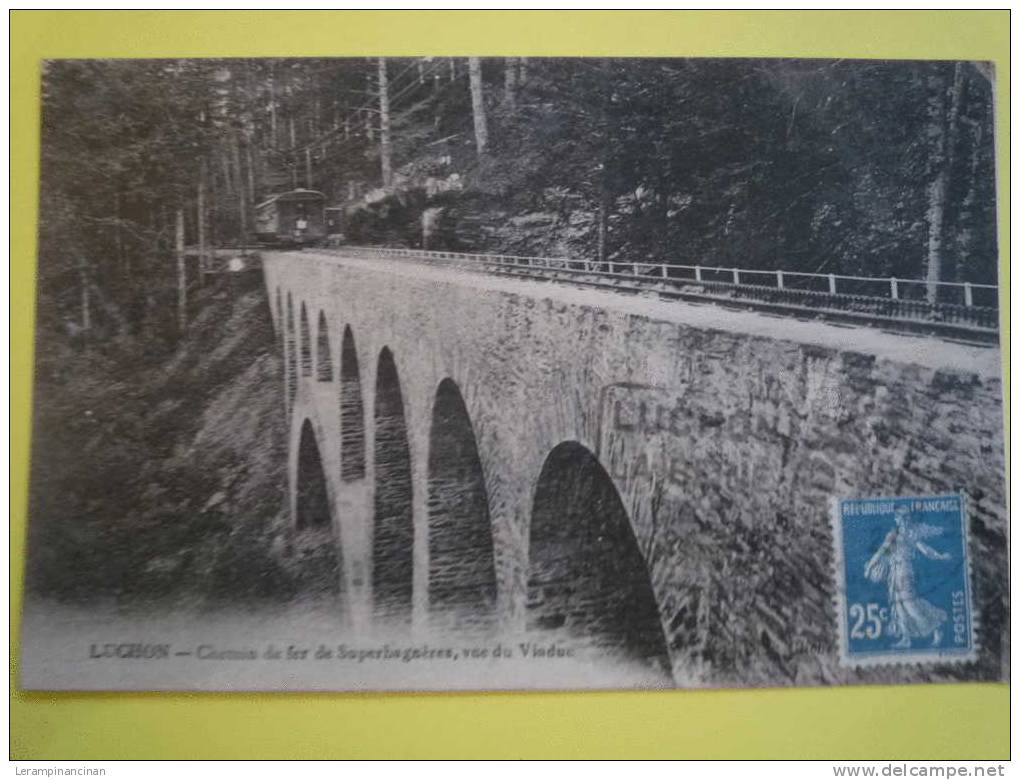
952 141
253 178
273 127
242 195
213 207
182 274
603 226
936 212
200 222
118 237
86 303
510 82
605 202
967 216
385 151
369 129
228 184
942 163
662 202
308 167
478 104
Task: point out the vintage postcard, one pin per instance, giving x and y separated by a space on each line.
510 373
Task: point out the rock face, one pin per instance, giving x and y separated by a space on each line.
722 438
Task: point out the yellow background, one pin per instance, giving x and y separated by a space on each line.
922 721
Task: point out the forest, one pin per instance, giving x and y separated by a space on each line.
879 168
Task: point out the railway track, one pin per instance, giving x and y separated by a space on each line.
843 301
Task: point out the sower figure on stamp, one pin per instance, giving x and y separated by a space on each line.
911 617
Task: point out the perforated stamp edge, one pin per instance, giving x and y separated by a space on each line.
929 657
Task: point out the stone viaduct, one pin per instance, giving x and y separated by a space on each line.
489 455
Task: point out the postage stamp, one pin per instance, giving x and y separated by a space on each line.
903 580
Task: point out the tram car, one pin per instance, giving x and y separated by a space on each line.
295 218
335 220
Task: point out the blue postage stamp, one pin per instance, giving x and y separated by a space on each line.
903 580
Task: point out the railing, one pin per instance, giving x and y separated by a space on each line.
961 305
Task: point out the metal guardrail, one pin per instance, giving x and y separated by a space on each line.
964 307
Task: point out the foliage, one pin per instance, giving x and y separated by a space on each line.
163 480
820 165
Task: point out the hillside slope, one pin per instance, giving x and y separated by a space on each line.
163 476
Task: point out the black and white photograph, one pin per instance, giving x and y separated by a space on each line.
502 373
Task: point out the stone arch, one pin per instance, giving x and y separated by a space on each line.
291 367
352 412
393 537
587 577
462 573
280 321
323 355
279 318
318 551
312 492
306 343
